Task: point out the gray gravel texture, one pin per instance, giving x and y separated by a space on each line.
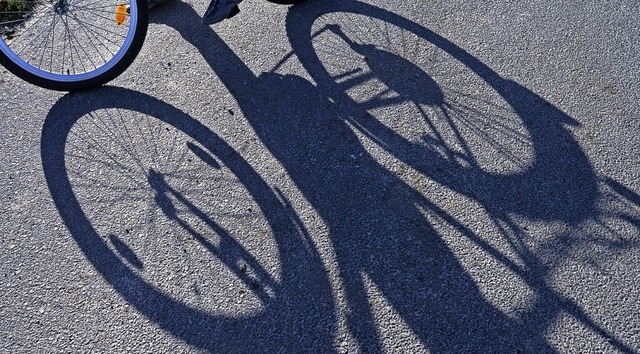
337 176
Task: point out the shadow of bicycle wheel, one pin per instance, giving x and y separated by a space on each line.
182 227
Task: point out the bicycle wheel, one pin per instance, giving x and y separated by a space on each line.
70 45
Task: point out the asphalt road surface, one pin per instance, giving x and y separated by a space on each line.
337 176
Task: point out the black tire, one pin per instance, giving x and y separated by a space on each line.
84 56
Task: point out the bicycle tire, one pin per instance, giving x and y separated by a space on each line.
84 52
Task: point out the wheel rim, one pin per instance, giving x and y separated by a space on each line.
68 40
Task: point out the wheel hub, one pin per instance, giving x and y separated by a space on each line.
61 7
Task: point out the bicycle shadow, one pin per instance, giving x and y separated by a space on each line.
381 227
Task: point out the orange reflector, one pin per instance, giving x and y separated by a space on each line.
121 13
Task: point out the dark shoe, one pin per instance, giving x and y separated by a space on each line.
219 10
